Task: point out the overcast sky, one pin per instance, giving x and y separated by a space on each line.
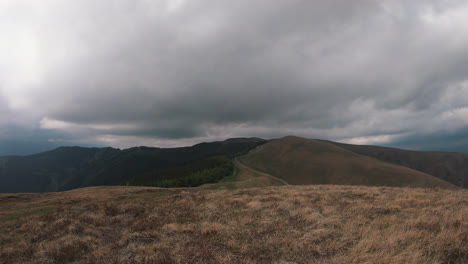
177 72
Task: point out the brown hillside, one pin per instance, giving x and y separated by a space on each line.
304 161
448 166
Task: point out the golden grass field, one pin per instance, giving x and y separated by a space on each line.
280 224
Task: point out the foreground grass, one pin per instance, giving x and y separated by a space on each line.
287 224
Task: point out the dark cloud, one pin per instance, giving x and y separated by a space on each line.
173 72
455 141
18 140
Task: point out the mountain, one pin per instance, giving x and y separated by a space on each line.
304 161
449 166
292 159
68 168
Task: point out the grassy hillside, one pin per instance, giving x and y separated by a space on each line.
304 161
448 166
245 177
67 168
287 224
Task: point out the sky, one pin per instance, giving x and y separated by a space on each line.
169 73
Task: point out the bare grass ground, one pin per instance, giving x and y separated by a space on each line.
286 224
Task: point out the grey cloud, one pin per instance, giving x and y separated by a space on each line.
443 140
324 69
20 140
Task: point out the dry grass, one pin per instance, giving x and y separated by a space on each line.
288 224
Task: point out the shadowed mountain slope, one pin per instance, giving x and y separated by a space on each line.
448 166
68 168
305 161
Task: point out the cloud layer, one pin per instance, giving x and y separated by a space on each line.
175 72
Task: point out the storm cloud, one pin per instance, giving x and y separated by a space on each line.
175 72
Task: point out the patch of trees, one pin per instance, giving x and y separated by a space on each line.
197 173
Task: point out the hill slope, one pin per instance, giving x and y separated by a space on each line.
304 161
67 168
448 166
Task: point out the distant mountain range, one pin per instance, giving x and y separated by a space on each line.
294 160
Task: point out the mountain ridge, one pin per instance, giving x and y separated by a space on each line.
70 167
66 168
